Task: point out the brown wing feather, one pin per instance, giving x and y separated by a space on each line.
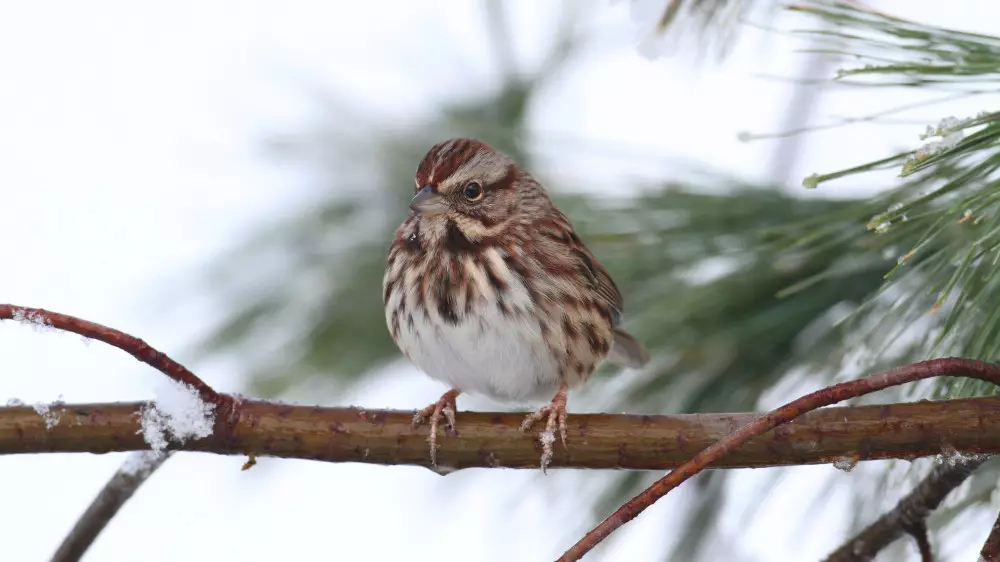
568 244
625 349
601 281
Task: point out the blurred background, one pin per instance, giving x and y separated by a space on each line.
222 179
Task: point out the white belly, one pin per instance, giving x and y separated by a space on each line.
499 356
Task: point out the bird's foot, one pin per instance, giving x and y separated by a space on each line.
554 414
444 407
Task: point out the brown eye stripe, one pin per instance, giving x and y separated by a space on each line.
505 183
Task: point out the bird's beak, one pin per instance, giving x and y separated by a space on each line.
427 202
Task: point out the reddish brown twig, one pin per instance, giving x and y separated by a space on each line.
952 367
136 470
122 485
909 515
991 549
129 344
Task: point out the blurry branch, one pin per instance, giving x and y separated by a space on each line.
991 549
945 367
707 20
493 440
568 38
805 98
712 21
909 515
136 470
498 30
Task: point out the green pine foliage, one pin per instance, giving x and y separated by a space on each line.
941 215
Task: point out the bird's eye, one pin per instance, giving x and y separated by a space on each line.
473 191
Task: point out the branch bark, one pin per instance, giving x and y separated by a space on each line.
599 441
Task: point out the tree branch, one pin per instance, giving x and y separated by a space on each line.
909 515
121 487
494 440
136 470
129 344
951 366
599 441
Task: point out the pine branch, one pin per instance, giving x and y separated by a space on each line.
909 515
940 220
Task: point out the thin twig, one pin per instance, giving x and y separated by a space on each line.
952 367
129 344
122 485
909 515
485 440
136 470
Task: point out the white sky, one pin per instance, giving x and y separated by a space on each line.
129 155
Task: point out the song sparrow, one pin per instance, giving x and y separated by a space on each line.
489 290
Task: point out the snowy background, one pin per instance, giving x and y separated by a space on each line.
130 156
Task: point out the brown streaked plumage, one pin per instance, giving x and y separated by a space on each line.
488 289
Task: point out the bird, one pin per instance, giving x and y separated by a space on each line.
489 289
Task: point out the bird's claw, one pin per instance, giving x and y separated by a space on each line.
444 407
554 414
